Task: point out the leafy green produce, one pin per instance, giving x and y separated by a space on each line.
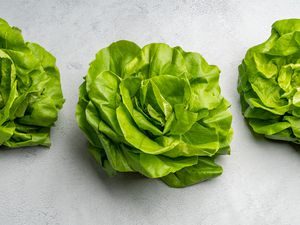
30 92
156 111
269 83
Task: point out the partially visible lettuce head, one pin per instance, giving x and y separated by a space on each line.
30 92
156 111
269 83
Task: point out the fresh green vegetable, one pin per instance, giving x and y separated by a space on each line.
269 83
30 92
157 111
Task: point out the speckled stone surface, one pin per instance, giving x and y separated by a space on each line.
60 186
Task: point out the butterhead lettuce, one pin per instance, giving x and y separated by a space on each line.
269 83
30 92
154 110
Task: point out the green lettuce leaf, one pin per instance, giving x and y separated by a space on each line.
269 83
30 92
154 110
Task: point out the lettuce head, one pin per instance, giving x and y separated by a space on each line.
30 91
154 110
269 83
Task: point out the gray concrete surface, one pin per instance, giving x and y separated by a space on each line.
261 179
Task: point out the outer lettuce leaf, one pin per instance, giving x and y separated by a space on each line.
269 83
203 170
30 92
154 110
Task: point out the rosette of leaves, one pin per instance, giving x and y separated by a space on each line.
269 83
30 91
156 111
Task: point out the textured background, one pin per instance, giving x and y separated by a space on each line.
261 179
